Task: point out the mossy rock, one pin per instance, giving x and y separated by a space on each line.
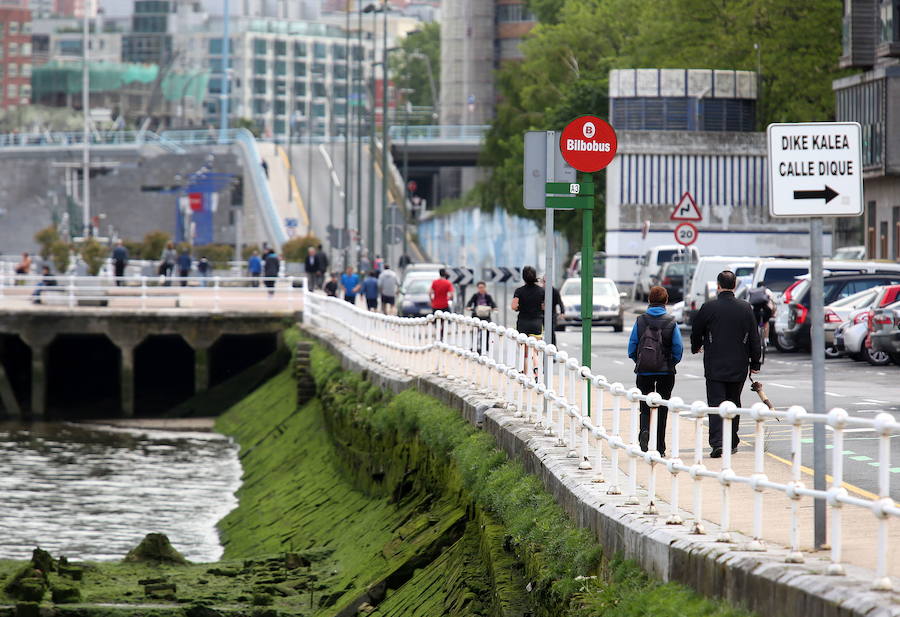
65 594
156 548
201 610
263 599
27 584
43 561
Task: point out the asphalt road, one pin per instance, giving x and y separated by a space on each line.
863 390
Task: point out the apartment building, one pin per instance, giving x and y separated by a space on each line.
15 55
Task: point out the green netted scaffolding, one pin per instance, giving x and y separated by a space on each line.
65 77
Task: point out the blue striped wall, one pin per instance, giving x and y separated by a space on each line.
734 180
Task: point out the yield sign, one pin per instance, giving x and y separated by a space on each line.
686 210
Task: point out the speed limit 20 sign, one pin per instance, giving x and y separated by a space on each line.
686 234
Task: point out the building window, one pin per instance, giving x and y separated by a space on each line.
300 108
889 18
318 68
280 48
215 46
340 91
299 88
259 86
338 52
11 91
260 47
25 92
318 110
280 67
300 49
13 49
26 49
279 127
259 67
13 27
260 106
864 103
319 89
280 108
13 70
339 71
513 13
320 50
340 109
26 70
299 69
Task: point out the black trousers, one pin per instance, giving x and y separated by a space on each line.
119 267
717 392
663 385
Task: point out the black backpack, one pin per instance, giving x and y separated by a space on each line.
651 351
758 296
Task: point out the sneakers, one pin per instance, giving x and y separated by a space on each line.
717 452
644 440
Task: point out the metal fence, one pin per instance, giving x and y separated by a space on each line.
597 422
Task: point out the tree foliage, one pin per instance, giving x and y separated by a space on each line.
410 68
567 59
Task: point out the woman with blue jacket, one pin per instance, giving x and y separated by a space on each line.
655 346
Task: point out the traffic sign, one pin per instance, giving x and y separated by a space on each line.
686 234
501 274
462 276
686 210
588 144
815 169
536 172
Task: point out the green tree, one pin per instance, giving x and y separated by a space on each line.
153 244
47 237
296 249
94 254
410 66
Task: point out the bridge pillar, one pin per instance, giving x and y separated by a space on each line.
39 342
201 368
126 380
8 396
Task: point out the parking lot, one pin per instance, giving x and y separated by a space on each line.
858 387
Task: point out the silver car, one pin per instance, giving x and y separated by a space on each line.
608 309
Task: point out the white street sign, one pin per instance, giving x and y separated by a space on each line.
815 169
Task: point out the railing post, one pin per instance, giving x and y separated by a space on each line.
698 411
216 292
837 418
633 448
759 476
727 412
653 401
599 432
674 461
795 418
143 292
71 290
617 390
883 422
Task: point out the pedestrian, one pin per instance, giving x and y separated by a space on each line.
350 285
331 287
204 269
403 262
441 293
656 347
46 281
184 266
388 284
167 262
528 302
23 268
265 168
311 265
557 304
271 266
481 304
365 264
323 264
120 260
370 291
379 264
254 267
724 329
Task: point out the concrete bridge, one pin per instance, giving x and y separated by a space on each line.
100 350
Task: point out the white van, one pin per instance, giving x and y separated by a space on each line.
779 274
653 259
705 274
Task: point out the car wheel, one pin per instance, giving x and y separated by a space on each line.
784 344
876 358
618 327
832 352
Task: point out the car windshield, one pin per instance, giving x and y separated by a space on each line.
744 271
417 287
779 279
680 268
666 255
857 300
572 287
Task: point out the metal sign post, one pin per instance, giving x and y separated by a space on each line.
815 170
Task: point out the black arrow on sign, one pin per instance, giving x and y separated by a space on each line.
828 194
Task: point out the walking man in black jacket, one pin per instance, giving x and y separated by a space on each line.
726 331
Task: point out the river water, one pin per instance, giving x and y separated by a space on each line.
92 493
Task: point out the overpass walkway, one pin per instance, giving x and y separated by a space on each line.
736 525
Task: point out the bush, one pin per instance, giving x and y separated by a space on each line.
248 249
297 248
46 238
135 248
94 255
218 254
153 244
59 253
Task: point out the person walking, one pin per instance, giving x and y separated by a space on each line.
323 263
120 260
350 285
441 293
311 265
167 262
557 304
528 302
204 270
482 305
46 281
656 347
370 291
184 267
725 331
331 287
388 284
271 266
254 267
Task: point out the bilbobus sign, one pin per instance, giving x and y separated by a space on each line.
588 144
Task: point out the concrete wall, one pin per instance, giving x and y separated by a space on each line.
33 192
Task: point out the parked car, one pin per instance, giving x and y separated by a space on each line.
674 277
651 261
884 334
853 338
574 268
413 300
702 286
838 312
793 333
425 269
608 309
850 252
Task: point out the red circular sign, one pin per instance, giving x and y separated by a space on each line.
588 144
686 234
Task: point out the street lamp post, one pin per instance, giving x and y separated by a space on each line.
348 191
384 129
85 108
371 8
355 77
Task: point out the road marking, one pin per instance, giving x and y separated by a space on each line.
691 375
849 430
861 457
618 362
781 385
850 487
836 395
876 401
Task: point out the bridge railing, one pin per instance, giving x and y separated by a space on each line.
419 132
597 422
212 293
56 139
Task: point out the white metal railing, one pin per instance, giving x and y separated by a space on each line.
504 362
153 292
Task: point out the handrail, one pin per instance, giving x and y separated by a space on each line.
487 357
425 132
98 139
